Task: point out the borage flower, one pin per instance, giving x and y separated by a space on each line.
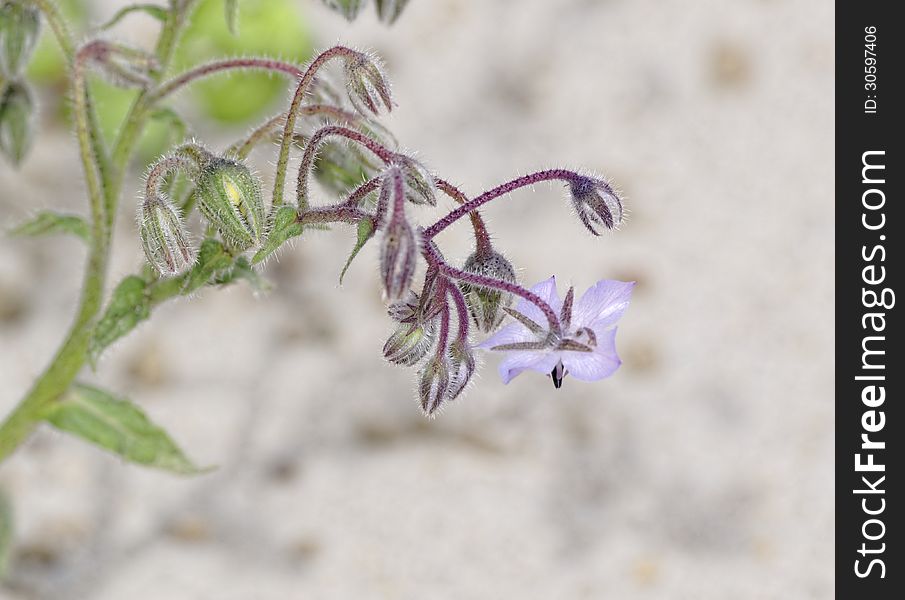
587 348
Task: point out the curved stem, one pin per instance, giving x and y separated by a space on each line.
461 311
497 284
243 148
481 237
501 190
301 188
266 64
292 114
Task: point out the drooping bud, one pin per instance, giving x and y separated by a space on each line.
596 203
16 122
486 305
461 366
389 10
419 183
408 344
20 25
406 309
164 238
433 386
230 198
398 258
122 65
347 8
400 247
366 84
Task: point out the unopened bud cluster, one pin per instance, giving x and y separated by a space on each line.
435 305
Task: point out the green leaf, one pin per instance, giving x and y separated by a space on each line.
158 12
285 226
365 233
129 305
47 222
212 258
119 426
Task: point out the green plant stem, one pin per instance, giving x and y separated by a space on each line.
104 185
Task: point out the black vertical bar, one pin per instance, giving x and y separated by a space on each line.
870 65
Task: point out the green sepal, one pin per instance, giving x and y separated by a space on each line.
285 225
365 233
212 259
117 425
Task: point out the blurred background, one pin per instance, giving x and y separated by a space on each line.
703 469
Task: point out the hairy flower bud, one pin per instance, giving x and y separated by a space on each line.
433 386
419 182
20 25
347 8
366 84
389 10
408 344
164 238
122 65
595 203
398 258
486 305
230 198
16 121
461 367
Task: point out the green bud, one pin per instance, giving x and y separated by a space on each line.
20 25
389 10
230 198
164 239
16 121
486 305
408 344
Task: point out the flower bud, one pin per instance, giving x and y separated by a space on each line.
230 198
122 65
433 387
461 367
398 258
16 121
596 203
164 238
419 183
367 86
347 8
486 305
389 10
20 25
408 344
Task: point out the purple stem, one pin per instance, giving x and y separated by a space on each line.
497 284
381 151
461 311
496 192
292 114
482 238
267 64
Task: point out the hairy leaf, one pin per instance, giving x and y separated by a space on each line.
365 233
285 226
119 426
129 305
47 222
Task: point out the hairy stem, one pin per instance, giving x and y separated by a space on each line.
292 114
501 190
266 64
481 237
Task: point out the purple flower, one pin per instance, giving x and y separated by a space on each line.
587 348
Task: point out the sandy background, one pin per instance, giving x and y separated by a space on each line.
703 469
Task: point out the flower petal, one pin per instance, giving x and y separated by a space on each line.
603 304
541 361
546 290
510 334
591 366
